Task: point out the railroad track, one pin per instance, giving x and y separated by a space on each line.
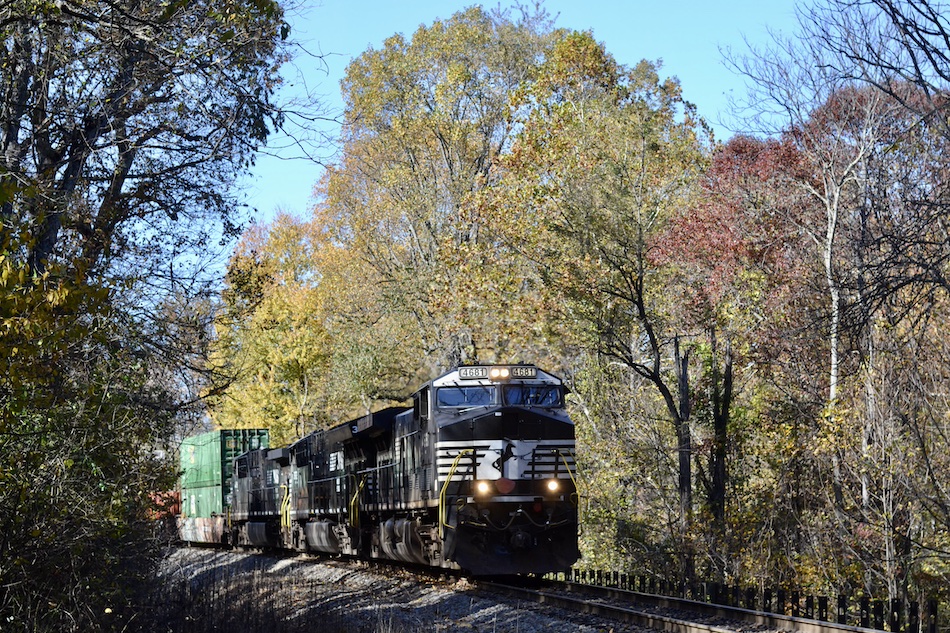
641 610
674 615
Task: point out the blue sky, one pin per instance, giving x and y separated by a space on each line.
686 35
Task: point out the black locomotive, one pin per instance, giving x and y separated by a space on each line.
478 474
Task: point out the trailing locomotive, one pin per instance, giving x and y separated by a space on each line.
478 474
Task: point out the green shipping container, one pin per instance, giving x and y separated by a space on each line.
203 502
206 463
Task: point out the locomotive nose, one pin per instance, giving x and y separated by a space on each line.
520 540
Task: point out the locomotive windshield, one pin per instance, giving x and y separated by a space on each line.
532 395
457 397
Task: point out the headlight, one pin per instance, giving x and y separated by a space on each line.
553 485
499 373
483 487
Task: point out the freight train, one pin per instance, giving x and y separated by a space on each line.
478 474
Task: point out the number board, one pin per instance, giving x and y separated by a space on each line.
523 371
473 373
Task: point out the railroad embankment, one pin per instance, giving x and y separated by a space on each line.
203 590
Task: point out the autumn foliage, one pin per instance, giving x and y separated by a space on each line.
753 330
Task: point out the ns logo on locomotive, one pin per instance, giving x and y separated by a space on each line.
478 474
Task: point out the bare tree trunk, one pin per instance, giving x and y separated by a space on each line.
834 293
685 451
683 436
721 399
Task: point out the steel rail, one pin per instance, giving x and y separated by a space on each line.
628 606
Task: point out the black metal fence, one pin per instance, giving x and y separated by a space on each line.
895 616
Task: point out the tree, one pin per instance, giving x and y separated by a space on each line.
271 342
82 412
900 49
298 345
121 120
426 119
729 273
870 162
606 156
890 44
123 128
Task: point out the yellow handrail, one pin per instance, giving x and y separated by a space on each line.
285 507
354 513
442 523
570 474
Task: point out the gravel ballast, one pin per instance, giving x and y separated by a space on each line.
217 590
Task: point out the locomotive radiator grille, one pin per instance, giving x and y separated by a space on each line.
515 459
467 467
551 461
